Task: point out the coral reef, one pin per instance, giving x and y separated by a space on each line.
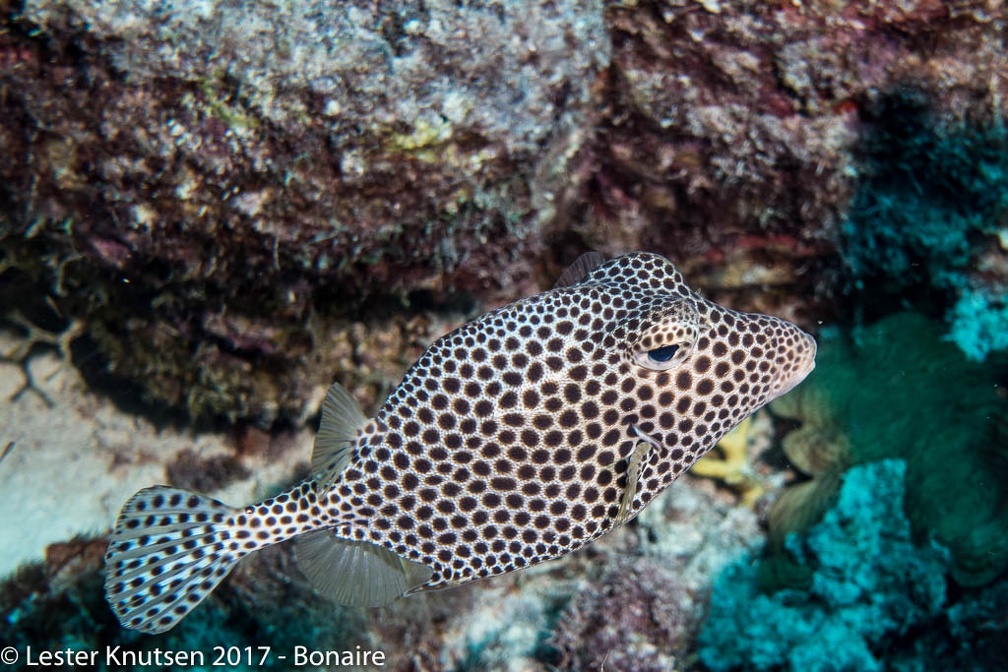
638 617
733 128
221 192
218 209
929 216
979 323
924 192
818 449
872 588
899 389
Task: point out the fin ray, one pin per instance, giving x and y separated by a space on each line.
162 579
580 269
341 420
129 573
357 573
141 568
636 462
171 600
143 551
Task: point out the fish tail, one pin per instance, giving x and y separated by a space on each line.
169 550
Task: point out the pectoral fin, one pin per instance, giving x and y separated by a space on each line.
636 461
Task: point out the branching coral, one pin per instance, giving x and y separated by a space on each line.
731 464
35 335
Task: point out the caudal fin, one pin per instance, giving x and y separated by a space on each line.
169 550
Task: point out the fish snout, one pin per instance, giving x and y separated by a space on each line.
797 362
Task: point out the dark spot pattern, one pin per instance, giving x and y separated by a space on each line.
508 443
555 387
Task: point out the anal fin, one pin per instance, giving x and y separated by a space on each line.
357 573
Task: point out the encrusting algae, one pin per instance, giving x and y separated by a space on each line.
518 438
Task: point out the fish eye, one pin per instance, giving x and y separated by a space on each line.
664 357
667 337
663 354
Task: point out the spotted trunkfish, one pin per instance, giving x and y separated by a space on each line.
517 438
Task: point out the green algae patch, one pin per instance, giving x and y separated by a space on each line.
899 389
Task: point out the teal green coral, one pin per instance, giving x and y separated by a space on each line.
979 324
931 195
925 188
871 585
900 389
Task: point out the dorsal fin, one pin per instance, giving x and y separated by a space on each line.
580 269
341 420
357 573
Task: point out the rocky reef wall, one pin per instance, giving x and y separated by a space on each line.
222 196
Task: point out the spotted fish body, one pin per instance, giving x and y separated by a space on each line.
520 437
